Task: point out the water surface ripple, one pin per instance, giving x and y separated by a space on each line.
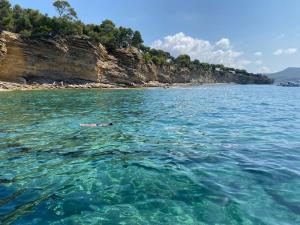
206 155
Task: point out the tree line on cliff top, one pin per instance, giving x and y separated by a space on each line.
29 22
32 23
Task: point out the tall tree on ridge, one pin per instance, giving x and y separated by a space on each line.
64 9
137 39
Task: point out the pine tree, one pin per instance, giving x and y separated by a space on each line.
6 17
137 39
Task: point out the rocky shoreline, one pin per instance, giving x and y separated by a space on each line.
13 86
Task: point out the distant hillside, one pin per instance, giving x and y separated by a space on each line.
289 74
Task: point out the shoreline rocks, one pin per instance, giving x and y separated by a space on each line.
13 86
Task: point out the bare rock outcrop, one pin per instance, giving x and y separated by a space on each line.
48 59
77 59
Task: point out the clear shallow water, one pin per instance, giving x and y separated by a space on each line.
205 155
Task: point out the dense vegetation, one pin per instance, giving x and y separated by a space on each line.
30 23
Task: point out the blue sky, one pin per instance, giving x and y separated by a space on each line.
259 35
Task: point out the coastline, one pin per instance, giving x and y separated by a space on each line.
13 86
79 62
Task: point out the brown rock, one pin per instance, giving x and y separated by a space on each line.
79 60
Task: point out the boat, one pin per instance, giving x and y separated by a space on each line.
289 84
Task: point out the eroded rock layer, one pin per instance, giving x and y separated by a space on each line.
77 59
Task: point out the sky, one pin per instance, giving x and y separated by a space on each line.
261 36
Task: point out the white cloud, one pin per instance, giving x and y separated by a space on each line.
258 62
288 51
264 70
219 53
258 53
224 43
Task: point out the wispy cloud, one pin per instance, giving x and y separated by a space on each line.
258 54
221 52
224 43
288 51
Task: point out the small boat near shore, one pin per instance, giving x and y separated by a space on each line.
289 84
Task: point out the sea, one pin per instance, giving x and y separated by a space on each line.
206 155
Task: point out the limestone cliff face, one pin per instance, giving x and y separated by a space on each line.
77 59
127 66
49 59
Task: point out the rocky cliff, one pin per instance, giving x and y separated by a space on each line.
77 59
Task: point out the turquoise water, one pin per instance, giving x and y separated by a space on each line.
204 155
